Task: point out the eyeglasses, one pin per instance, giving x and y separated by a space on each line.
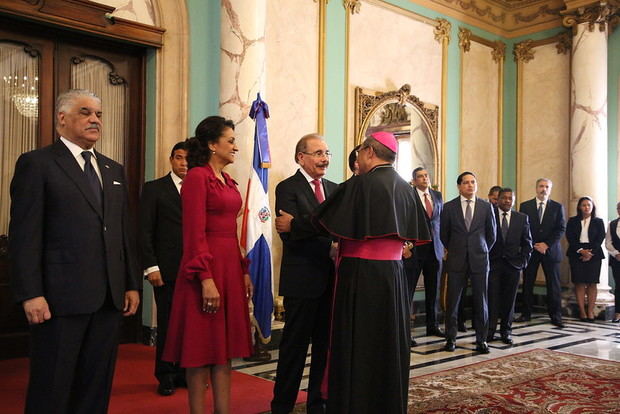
319 154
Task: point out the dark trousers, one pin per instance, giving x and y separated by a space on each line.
615 270
424 261
307 321
457 281
503 286
72 361
165 370
552 278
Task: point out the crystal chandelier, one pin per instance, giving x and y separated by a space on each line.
24 93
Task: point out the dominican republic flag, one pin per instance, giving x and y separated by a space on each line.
256 228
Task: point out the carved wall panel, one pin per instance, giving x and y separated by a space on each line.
481 86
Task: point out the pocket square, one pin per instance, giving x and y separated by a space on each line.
116 183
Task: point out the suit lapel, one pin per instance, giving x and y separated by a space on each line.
478 213
68 163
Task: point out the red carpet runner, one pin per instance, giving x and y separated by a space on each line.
134 389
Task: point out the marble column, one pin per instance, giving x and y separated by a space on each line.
242 63
588 130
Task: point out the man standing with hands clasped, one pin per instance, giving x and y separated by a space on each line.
161 245
509 255
74 269
548 226
468 233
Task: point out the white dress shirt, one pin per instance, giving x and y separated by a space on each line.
544 207
501 217
310 179
76 150
464 206
430 198
585 225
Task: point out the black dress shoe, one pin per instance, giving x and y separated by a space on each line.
180 382
583 319
589 319
450 346
507 340
462 327
523 318
165 388
616 320
482 347
413 342
436 331
559 324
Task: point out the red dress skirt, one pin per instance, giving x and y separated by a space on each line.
210 250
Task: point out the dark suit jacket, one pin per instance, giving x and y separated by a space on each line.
63 245
306 266
552 228
467 247
517 248
596 235
434 221
161 236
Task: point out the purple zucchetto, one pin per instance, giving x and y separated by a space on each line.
386 139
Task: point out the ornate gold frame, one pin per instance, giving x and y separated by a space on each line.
367 102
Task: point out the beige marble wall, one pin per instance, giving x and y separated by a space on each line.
137 10
543 144
291 91
389 47
480 149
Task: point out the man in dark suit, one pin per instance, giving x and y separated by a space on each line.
306 276
426 258
548 225
467 231
73 264
508 257
161 245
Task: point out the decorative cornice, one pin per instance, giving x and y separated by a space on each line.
471 6
602 13
523 51
542 11
499 51
464 39
353 6
442 30
506 18
565 43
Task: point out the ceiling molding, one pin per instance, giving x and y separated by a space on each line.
507 18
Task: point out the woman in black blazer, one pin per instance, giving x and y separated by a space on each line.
585 234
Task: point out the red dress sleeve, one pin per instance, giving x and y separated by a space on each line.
196 252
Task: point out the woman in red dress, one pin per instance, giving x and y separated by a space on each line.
209 320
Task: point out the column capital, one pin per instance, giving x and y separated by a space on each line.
442 30
601 13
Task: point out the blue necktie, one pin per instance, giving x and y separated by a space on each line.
91 175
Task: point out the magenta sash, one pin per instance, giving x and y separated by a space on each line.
372 249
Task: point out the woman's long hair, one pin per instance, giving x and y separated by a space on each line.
579 213
209 130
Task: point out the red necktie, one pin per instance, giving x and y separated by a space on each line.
317 190
429 206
